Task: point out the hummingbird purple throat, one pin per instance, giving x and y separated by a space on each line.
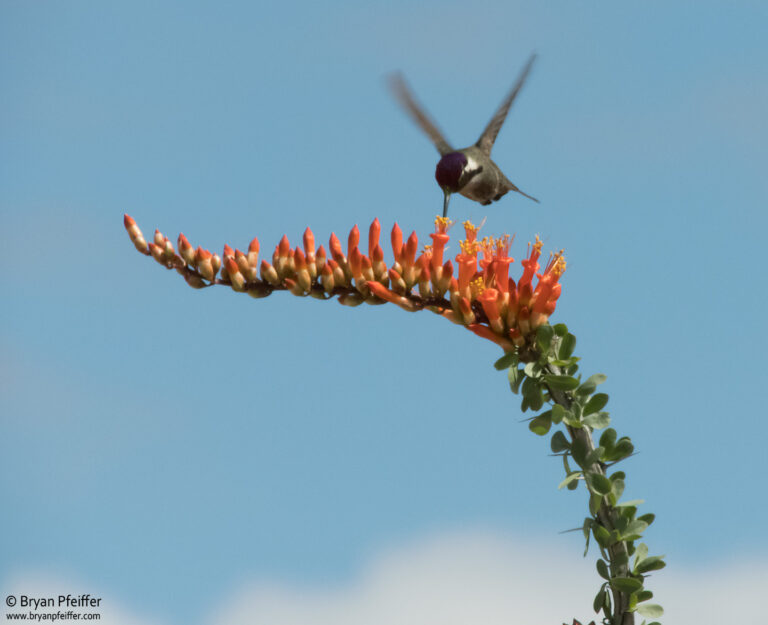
469 171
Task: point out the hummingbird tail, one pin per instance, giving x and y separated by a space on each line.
530 197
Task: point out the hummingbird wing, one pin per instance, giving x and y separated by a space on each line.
418 114
487 139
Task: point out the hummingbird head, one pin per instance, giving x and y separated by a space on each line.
449 170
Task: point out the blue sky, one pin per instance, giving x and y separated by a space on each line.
168 446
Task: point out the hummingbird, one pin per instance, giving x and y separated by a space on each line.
469 171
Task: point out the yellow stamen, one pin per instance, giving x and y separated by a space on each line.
476 287
469 247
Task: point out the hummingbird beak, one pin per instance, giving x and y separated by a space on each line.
446 199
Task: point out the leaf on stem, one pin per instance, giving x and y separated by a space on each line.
598 483
626 584
507 360
650 610
597 420
561 382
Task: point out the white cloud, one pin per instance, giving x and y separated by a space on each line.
467 578
488 578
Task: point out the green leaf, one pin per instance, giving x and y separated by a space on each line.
586 530
650 610
620 523
559 442
541 424
623 449
544 334
515 376
507 360
599 601
598 483
652 563
595 455
570 479
596 403
602 536
608 439
597 420
595 501
634 530
532 369
602 569
570 419
529 387
561 329
558 412
626 584
561 382
566 363
567 345
537 401
617 489
591 384
644 595
579 451
641 553
648 518
632 503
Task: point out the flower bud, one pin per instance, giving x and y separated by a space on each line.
135 234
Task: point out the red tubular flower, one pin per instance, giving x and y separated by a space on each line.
477 293
425 289
137 238
398 284
446 275
501 263
489 301
204 263
486 333
320 258
309 243
327 277
253 253
373 236
335 246
186 250
439 239
530 267
465 309
303 278
356 263
269 274
354 239
377 260
397 244
380 291
236 279
410 249
467 262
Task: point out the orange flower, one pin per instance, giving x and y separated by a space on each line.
478 294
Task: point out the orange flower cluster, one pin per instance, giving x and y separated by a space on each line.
478 293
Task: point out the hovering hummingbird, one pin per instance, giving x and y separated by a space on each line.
469 171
